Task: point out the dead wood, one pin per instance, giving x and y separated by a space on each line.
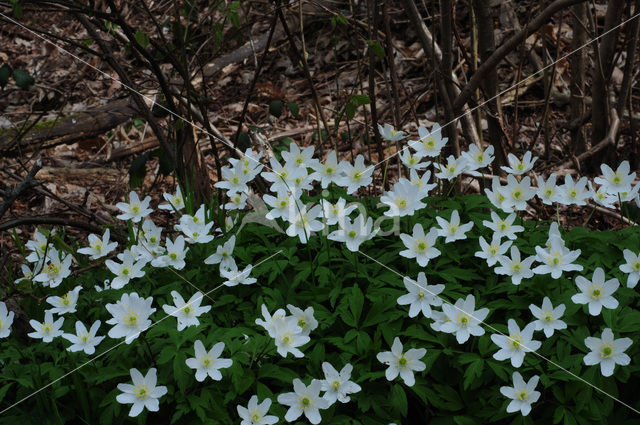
70 129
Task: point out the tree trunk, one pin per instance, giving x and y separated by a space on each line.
578 135
486 46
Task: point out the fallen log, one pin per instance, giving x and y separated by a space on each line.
67 130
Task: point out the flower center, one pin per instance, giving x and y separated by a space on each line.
596 292
420 294
131 319
299 159
429 142
453 228
516 194
134 208
493 249
125 271
356 175
421 246
547 316
46 327
302 323
402 362
522 394
515 341
335 385
328 169
401 203
256 416
616 178
141 391
516 266
352 234
65 300
207 361
606 351
636 265
305 401
463 319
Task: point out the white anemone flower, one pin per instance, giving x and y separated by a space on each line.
452 230
547 317
574 193
337 385
304 400
614 182
419 245
556 259
463 319
607 352
306 321
421 296
328 172
517 344
234 276
504 227
452 169
631 267
223 254
303 223
280 205
515 267
288 337
517 166
6 320
136 209
353 234
208 363
517 193
256 413
355 176
186 313
144 393
522 394
48 329
401 363
126 271
477 158
391 134
403 200
413 161
337 212
422 182
130 316
85 340
300 158
175 201
596 292
430 143
98 247
66 303
55 270
547 190
494 251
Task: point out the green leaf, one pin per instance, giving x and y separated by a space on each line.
472 371
22 78
5 73
356 301
360 99
376 47
350 110
399 399
295 110
138 170
142 38
275 108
